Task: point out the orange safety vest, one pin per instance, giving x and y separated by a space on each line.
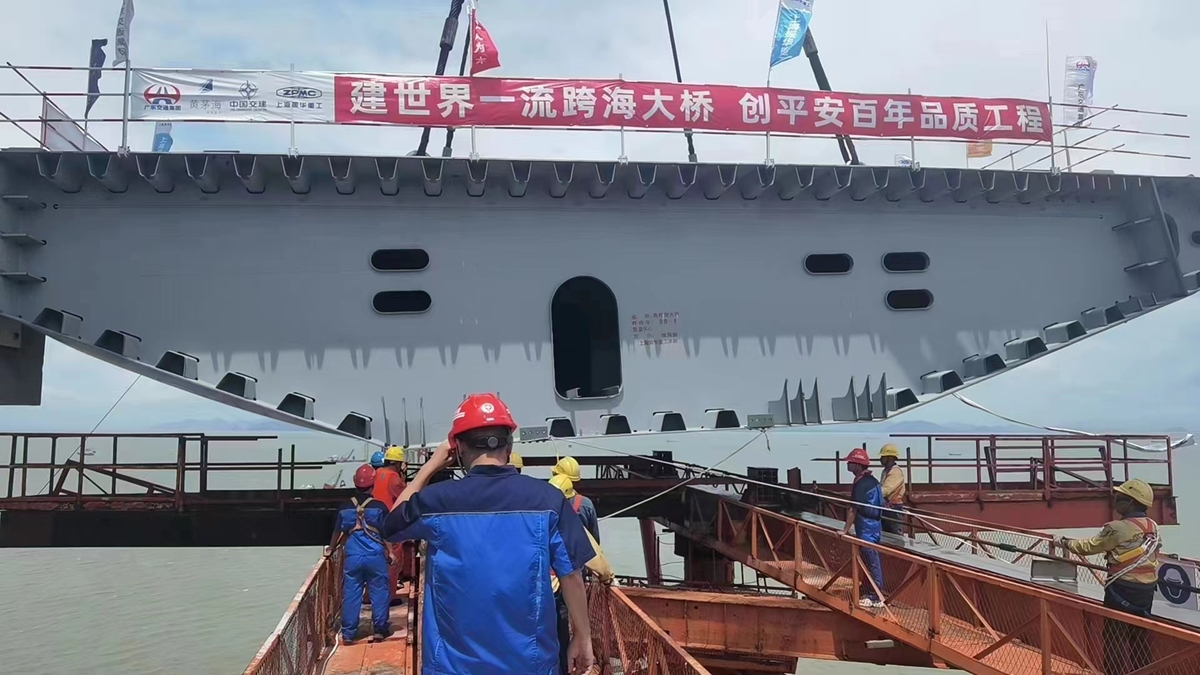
576 503
1148 528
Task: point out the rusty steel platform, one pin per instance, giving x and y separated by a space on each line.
956 599
55 497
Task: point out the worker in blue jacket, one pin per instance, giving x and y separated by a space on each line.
865 515
492 539
358 527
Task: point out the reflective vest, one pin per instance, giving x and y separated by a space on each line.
576 503
1136 560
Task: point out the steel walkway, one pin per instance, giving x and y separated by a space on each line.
963 607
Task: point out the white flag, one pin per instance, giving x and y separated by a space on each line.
123 21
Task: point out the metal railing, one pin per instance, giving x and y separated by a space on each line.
74 470
626 641
979 622
308 631
1145 148
1050 464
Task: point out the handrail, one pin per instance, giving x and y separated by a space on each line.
65 84
308 630
622 632
980 622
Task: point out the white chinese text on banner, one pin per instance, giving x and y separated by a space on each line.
162 137
123 23
484 53
1079 83
791 25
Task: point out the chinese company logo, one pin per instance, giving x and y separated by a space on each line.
162 94
162 97
299 92
248 90
487 408
1082 65
207 87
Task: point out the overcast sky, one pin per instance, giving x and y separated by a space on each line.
945 47
1142 376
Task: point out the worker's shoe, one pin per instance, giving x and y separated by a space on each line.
380 637
346 642
869 603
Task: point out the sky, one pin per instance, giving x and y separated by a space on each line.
1139 377
945 47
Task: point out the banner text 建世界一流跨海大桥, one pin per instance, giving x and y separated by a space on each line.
611 104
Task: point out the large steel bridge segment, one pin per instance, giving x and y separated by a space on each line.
253 280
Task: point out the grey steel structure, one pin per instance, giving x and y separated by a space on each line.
596 298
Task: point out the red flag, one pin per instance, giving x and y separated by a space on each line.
484 55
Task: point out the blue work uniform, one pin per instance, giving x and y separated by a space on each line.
492 539
868 497
587 512
361 518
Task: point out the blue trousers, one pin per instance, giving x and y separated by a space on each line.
370 571
870 557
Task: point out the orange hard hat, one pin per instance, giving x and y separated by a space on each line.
481 410
364 477
858 456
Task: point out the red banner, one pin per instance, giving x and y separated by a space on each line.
495 102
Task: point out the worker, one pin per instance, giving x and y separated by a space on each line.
569 467
376 459
893 487
598 566
490 538
357 529
864 514
1130 547
390 480
516 461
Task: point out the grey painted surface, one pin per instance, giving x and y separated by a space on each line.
278 285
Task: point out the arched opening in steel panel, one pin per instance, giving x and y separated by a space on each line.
586 333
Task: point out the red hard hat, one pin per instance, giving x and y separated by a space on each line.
364 477
858 456
481 410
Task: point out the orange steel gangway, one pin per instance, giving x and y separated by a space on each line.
966 607
624 638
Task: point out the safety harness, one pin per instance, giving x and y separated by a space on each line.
1143 555
360 521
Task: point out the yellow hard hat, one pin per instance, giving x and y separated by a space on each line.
394 453
889 450
1138 491
562 482
567 466
515 460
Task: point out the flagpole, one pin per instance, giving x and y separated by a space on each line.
1050 100
462 69
679 76
125 112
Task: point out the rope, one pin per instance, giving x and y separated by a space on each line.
110 409
817 495
1186 440
688 480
